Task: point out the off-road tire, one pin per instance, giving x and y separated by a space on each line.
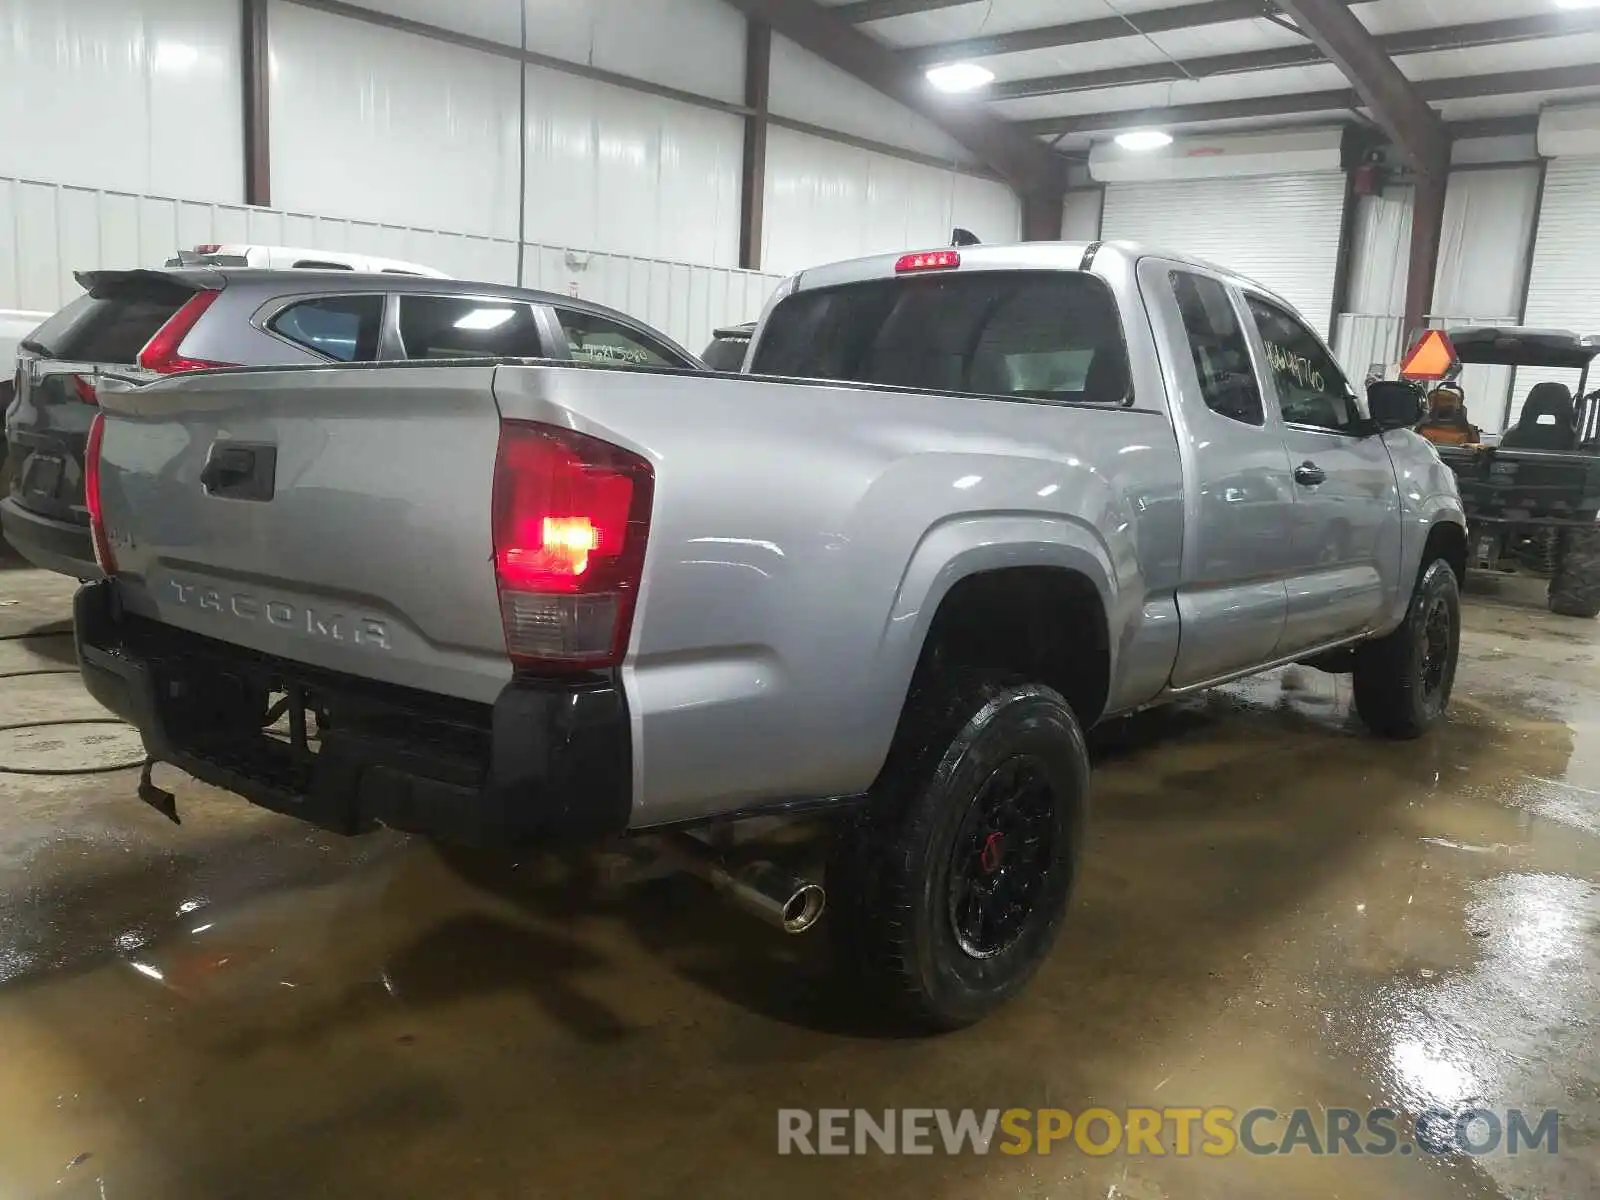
1575 588
894 884
1402 684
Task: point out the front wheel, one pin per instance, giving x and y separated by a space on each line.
1575 587
947 889
1403 682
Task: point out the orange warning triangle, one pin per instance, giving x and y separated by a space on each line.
1431 358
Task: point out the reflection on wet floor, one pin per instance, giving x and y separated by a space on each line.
1276 911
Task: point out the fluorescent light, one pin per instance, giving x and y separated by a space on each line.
1144 139
1578 3
960 77
485 318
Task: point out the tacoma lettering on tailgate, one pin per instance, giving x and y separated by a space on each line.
326 625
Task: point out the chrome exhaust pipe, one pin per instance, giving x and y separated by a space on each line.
766 891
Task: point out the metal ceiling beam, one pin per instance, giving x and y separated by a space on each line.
1414 41
1460 87
1100 29
1026 164
1193 114
1395 103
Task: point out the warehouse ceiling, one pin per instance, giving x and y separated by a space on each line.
1073 72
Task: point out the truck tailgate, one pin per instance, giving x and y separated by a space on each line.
341 518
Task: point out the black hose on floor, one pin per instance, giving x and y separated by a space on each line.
56 771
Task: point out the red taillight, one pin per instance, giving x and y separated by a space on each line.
207 249
161 352
571 515
91 495
84 389
928 260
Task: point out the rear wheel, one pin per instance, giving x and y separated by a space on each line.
1575 587
1403 682
947 889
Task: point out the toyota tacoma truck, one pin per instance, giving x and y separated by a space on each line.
967 504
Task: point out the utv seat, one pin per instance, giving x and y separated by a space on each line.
1547 421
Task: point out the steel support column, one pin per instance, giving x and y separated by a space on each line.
753 176
255 64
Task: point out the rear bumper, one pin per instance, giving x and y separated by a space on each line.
547 762
62 546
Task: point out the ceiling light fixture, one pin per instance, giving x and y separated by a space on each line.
1144 139
960 77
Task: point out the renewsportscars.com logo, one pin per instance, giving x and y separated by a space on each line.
1162 1132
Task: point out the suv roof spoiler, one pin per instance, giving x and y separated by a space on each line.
1518 347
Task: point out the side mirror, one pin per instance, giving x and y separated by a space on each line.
1395 404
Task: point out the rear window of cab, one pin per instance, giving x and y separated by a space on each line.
1050 335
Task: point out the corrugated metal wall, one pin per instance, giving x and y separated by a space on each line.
827 201
1282 231
1489 217
48 231
407 146
135 96
1564 289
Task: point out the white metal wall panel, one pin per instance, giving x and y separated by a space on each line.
826 201
386 126
805 88
492 20
684 301
128 94
1563 292
692 45
1483 264
618 171
1080 214
1282 231
48 231
1369 333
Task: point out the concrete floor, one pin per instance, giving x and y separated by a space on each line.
1276 911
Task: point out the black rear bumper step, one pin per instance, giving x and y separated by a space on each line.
547 762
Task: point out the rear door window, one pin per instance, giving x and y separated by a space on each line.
1049 335
343 328
468 327
113 323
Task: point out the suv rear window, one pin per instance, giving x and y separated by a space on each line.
1051 335
112 323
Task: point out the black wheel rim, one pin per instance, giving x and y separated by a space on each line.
1002 857
1438 639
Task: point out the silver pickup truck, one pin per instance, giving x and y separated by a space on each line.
965 505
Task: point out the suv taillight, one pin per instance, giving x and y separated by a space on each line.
161 352
571 516
91 495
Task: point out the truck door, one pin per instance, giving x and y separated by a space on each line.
1238 494
1347 531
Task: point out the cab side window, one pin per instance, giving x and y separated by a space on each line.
1221 353
1311 388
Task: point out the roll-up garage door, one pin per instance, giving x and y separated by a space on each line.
1564 287
1282 231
